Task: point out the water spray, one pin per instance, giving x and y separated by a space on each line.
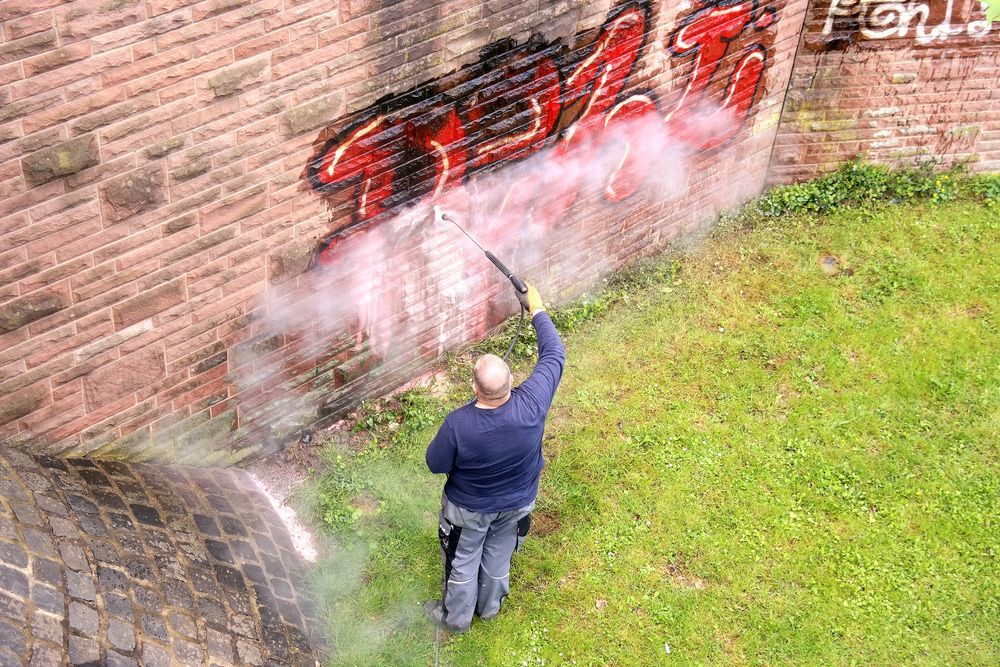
519 285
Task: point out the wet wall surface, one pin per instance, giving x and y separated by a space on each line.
107 563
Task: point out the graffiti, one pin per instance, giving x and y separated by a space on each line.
518 100
850 21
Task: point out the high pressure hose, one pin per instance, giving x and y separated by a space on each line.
514 280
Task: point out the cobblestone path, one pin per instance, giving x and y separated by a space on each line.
106 563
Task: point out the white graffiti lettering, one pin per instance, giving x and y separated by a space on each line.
878 19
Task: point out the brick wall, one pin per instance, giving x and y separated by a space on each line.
215 215
894 83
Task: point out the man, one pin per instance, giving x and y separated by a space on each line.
491 450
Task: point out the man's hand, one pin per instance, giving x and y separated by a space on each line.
534 300
531 300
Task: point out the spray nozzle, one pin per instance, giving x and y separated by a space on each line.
514 280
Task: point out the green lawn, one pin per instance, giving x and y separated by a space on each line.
750 461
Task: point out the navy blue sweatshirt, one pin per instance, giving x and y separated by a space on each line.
493 457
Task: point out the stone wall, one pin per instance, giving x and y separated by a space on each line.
898 83
215 223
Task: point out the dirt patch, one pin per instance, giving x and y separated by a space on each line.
544 523
678 575
366 502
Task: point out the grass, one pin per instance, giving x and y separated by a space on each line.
750 460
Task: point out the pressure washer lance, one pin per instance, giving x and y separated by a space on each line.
518 284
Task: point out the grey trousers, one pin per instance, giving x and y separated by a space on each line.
477 550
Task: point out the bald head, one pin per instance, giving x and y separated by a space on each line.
491 377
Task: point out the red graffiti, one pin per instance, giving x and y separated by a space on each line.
518 100
706 34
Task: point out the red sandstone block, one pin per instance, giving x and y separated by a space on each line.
178 73
208 383
255 278
48 343
215 110
60 240
233 209
149 303
138 33
121 251
56 58
129 374
268 42
300 12
70 73
189 32
55 414
141 68
317 25
27 25
259 131
106 169
84 19
54 275
227 39
10 73
92 242
137 141
73 108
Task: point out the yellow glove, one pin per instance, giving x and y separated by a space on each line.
534 300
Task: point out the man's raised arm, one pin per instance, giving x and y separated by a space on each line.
544 379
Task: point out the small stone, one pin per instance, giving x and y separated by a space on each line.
183 625
39 543
12 607
27 514
121 635
44 656
119 606
83 618
220 646
13 554
219 551
92 525
230 578
47 571
80 585
155 627
112 579
147 515
81 504
83 651
155 656
48 599
13 582
116 659
48 627
62 527
74 557
186 652
12 638
51 506
250 653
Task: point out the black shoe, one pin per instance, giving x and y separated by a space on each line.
434 612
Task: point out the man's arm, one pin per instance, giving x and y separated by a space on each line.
440 455
542 383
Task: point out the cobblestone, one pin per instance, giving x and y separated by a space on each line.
120 564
